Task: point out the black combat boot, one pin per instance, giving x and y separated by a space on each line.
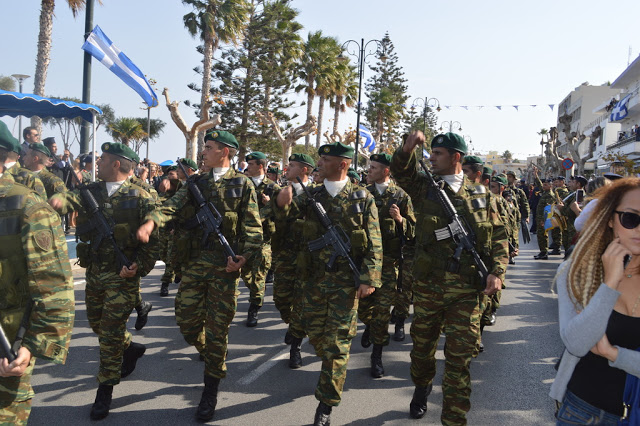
164 289
364 340
143 314
543 255
269 278
377 370
398 336
209 399
418 406
323 415
555 251
393 318
130 358
177 279
100 408
295 358
252 316
288 338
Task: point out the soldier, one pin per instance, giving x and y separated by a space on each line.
547 198
473 169
207 298
273 173
35 278
256 272
286 246
571 209
112 289
519 196
167 188
397 223
556 233
36 159
330 300
21 175
487 174
87 168
444 298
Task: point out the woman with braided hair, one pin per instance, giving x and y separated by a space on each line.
599 310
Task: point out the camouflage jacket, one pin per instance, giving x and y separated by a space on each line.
568 213
562 192
268 188
523 201
35 268
52 183
286 241
353 209
27 178
389 229
126 210
547 198
234 197
145 185
474 203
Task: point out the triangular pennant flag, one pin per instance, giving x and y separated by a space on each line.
533 106
480 107
499 107
551 106
465 107
447 106
516 107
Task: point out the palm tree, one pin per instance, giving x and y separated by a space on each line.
326 81
44 46
126 130
215 21
345 91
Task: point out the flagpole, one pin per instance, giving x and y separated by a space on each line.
93 171
86 77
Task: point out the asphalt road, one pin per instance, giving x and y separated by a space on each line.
510 380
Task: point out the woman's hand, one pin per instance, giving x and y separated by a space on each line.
613 263
605 349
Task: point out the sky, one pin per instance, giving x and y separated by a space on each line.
463 53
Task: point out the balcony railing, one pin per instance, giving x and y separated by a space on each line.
623 142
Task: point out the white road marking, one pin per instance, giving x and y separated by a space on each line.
264 367
79 282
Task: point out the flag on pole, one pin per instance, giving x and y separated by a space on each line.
369 142
620 110
100 47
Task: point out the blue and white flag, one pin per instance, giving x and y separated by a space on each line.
620 110
369 142
100 47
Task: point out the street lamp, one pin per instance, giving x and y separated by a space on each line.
451 125
361 55
20 78
469 142
424 103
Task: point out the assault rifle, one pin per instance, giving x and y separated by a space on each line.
334 237
458 229
5 345
403 241
8 351
207 216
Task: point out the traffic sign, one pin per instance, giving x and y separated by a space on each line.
567 163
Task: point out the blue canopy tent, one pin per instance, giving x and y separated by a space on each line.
14 104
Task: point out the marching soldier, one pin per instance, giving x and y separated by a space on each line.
571 209
330 300
21 175
207 298
547 198
35 160
256 272
556 233
442 297
36 289
285 243
397 224
112 288
519 197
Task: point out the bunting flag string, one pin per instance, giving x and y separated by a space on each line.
479 107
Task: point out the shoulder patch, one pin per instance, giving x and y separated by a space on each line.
44 239
479 189
236 181
358 195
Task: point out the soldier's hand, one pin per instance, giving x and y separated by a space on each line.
18 366
56 203
285 196
164 185
364 291
265 199
145 231
129 272
394 212
493 285
235 266
414 139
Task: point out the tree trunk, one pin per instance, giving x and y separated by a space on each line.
307 138
244 124
336 114
320 115
198 143
44 54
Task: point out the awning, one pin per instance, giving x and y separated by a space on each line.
14 104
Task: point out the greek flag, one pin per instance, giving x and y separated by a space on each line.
620 110
369 142
100 47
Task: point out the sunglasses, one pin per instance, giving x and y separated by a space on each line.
628 220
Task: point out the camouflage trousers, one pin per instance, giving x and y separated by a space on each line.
287 292
205 306
329 308
557 237
15 397
109 300
375 310
254 276
403 299
166 251
543 237
444 301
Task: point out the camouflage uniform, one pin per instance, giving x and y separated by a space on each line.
168 236
27 178
374 310
523 204
446 298
35 269
207 298
558 236
110 298
52 183
255 272
547 198
329 304
403 299
570 232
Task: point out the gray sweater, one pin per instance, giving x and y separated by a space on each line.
581 331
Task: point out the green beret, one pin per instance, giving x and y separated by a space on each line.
336 149
487 171
120 150
353 174
273 170
136 158
450 140
511 172
472 159
256 155
7 141
223 137
189 163
40 148
500 179
304 159
381 158
172 168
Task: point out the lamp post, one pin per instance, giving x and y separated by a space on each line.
452 125
20 78
361 54
469 142
424 103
